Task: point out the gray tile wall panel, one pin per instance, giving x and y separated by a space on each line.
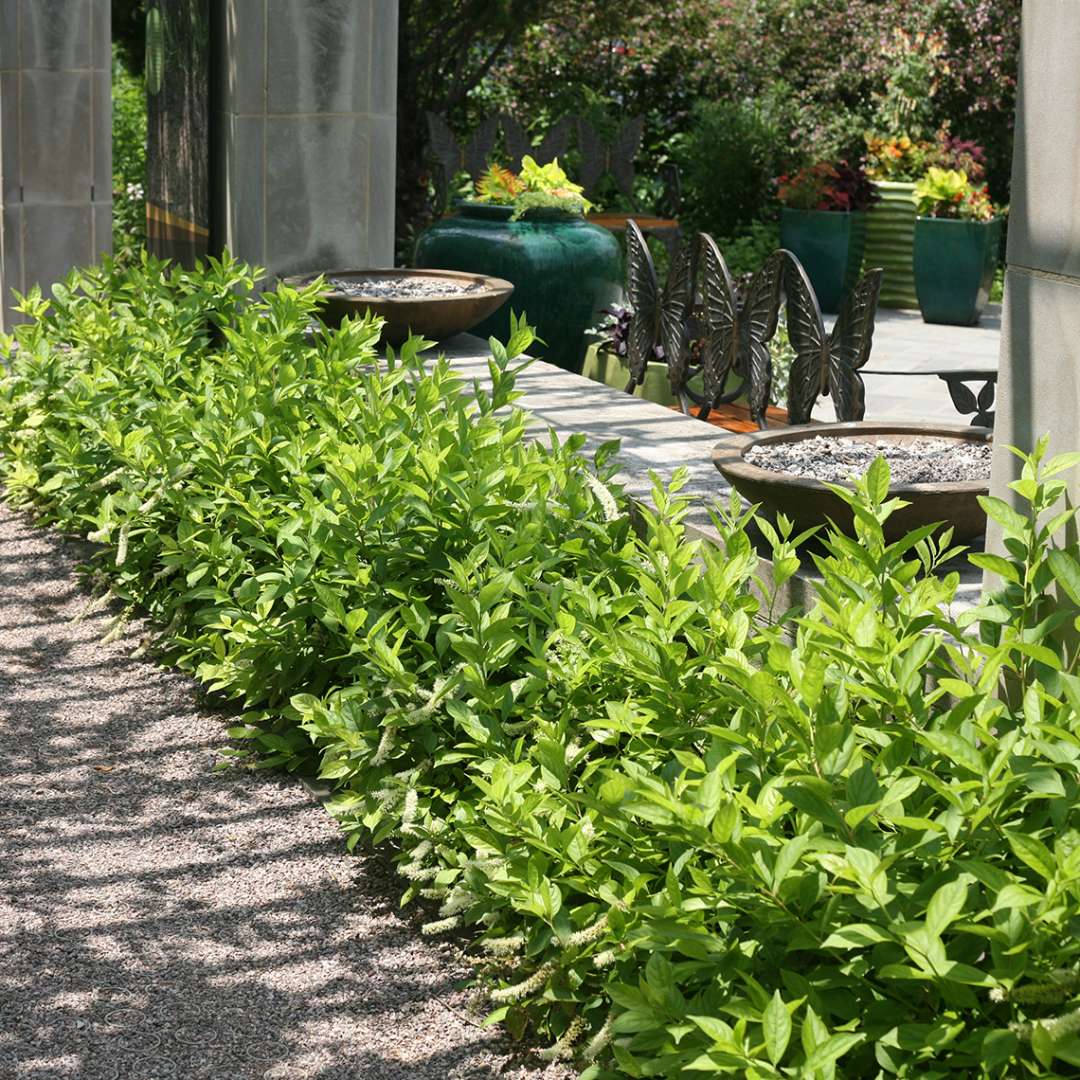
246 189
1044 224
305 175
381 203
55 140
1039 372
56 34
242 74
101 241
316 192
9 137
101 35
101 148
384 50
9 35
318 56
55 239
11 271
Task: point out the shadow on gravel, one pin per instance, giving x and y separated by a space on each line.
160 919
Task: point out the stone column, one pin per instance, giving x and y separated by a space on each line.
303 132
55 141
1039 382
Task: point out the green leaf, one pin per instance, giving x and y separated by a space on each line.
1013 523
945 906
1016 896
810 802
1033 852
831 1050
1006 570
776 1025
1066 571
1042 1045
956 748
790 854
998 1047
710 792
714 1027
813 1032
877 479
1061 462
856 936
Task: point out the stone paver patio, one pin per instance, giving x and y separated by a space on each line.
904 343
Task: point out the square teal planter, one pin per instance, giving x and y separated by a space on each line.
830 245
954 268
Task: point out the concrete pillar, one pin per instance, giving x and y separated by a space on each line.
55 141
1039 382
303 132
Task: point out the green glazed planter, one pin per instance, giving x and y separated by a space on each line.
830 246
890 240
605 367
954 268
564 271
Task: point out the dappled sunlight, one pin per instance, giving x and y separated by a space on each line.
162 919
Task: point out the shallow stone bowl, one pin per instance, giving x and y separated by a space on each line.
809 502
434 317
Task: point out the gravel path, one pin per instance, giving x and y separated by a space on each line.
162 920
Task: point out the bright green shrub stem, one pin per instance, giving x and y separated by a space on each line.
688 843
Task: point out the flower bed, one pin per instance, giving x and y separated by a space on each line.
684 841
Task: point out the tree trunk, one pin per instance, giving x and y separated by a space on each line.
177 96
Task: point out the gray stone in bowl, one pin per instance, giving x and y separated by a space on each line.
809 502
469 299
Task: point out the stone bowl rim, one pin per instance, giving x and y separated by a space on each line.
729 454
493 286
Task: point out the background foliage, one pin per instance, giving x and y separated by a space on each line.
815 69
129 156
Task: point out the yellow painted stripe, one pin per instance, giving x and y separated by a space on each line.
160 214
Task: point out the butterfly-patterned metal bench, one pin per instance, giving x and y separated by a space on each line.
599 159
734 321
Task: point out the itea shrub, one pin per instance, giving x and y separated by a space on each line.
685 839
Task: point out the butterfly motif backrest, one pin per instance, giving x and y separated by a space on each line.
739 319
600 158
735 322
452 157
828 363
643 299
658 321
553 145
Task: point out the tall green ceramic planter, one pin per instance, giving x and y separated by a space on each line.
954 268
564 271
830 246
890 241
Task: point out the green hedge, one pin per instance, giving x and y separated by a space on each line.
684 842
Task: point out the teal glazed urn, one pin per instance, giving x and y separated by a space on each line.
954 268
564 270
829 244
